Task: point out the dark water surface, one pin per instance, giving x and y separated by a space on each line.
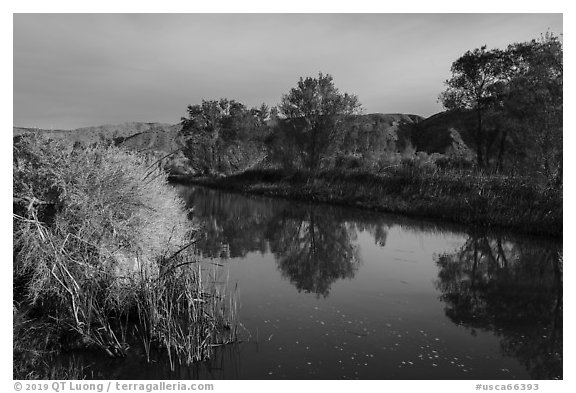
329 292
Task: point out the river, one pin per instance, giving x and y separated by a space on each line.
328 292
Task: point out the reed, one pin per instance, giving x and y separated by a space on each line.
103 248
186 311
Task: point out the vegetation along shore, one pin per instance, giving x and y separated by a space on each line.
103 261
479 200
104 247
494 158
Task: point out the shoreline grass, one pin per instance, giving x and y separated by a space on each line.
103 253
463 197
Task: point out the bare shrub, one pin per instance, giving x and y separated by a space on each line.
99 236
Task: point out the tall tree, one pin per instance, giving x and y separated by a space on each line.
534 103
317 108
477 79
218 133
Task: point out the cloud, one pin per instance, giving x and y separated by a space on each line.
73 70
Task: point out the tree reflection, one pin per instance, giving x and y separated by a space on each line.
230 226
512 289
314 246
313 250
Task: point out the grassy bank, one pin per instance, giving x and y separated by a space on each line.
452 195
102 261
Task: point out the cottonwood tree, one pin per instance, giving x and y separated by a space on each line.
477 79
516 96
534 103
217 133
315 109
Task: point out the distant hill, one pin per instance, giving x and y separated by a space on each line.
375 133
443 133
378 132
155 138
134 135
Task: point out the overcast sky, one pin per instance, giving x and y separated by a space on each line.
74 70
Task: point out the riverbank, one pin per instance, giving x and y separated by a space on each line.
456 196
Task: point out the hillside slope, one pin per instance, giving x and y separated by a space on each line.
366 135
136 135
378 132
444 132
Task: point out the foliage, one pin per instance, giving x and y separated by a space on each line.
223 136
99 236
534 105
516 96
315 110
102 206
477 78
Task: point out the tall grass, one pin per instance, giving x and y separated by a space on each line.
103 249
188 312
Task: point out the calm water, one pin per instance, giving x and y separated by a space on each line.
337 293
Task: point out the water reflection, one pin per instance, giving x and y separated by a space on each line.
314 247
494 290
231 227
313 250
513 289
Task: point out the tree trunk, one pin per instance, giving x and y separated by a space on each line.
479 144
500 164
490 139
313 160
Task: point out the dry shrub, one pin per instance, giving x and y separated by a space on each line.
104 209
99 236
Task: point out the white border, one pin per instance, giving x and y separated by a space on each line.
169 6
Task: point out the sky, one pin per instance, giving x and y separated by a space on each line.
76 70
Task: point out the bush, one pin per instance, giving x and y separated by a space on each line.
98 236
104 207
